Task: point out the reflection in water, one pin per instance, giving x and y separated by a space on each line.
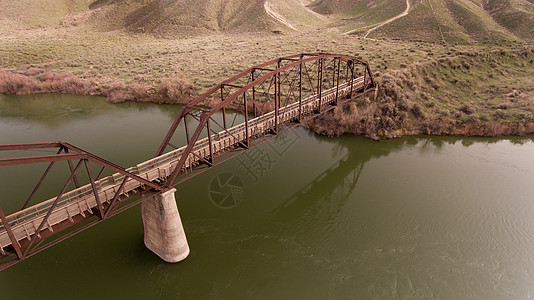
334 185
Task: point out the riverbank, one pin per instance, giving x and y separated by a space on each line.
472 94
38 81
478 89
393 114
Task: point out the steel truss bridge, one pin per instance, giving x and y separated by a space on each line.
256 104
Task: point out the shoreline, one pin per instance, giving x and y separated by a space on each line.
39 81
472 94
472 129
334 123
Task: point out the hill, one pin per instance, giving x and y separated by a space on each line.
515 15
28 14
165 18
449 21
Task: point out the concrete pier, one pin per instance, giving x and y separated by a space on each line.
164 233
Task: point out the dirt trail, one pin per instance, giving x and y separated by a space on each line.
271 11
404 13
277 16
378 25
436 17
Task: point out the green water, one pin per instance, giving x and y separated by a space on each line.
316 217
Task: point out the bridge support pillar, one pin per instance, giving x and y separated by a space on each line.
164 233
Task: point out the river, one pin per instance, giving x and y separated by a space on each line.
310 217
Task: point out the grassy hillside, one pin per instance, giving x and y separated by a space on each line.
176 18
363 10
515 15
29 14
361 15
296 14
165 18
449 21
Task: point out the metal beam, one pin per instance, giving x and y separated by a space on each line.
14 241
69 162
39 159
320 82
95 190
210 142
337 81
29 146
51 209
300 92
231 85
113 167
40 181
247 137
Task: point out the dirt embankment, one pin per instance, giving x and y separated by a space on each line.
468 95
386 119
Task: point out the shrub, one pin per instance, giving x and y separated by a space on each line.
12 83
467 109
178 90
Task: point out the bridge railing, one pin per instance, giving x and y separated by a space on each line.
173 156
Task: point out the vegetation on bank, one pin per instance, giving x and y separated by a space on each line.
485 94
36 80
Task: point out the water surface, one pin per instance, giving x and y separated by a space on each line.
318 217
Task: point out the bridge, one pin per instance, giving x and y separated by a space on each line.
235 115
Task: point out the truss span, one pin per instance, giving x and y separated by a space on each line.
255 105
268 95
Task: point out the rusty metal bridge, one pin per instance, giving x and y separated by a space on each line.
256 104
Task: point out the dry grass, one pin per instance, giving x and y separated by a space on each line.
204 60
470 94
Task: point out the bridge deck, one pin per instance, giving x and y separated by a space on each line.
81 201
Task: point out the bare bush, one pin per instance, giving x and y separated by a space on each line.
178 90
38 81
117 93
12 83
